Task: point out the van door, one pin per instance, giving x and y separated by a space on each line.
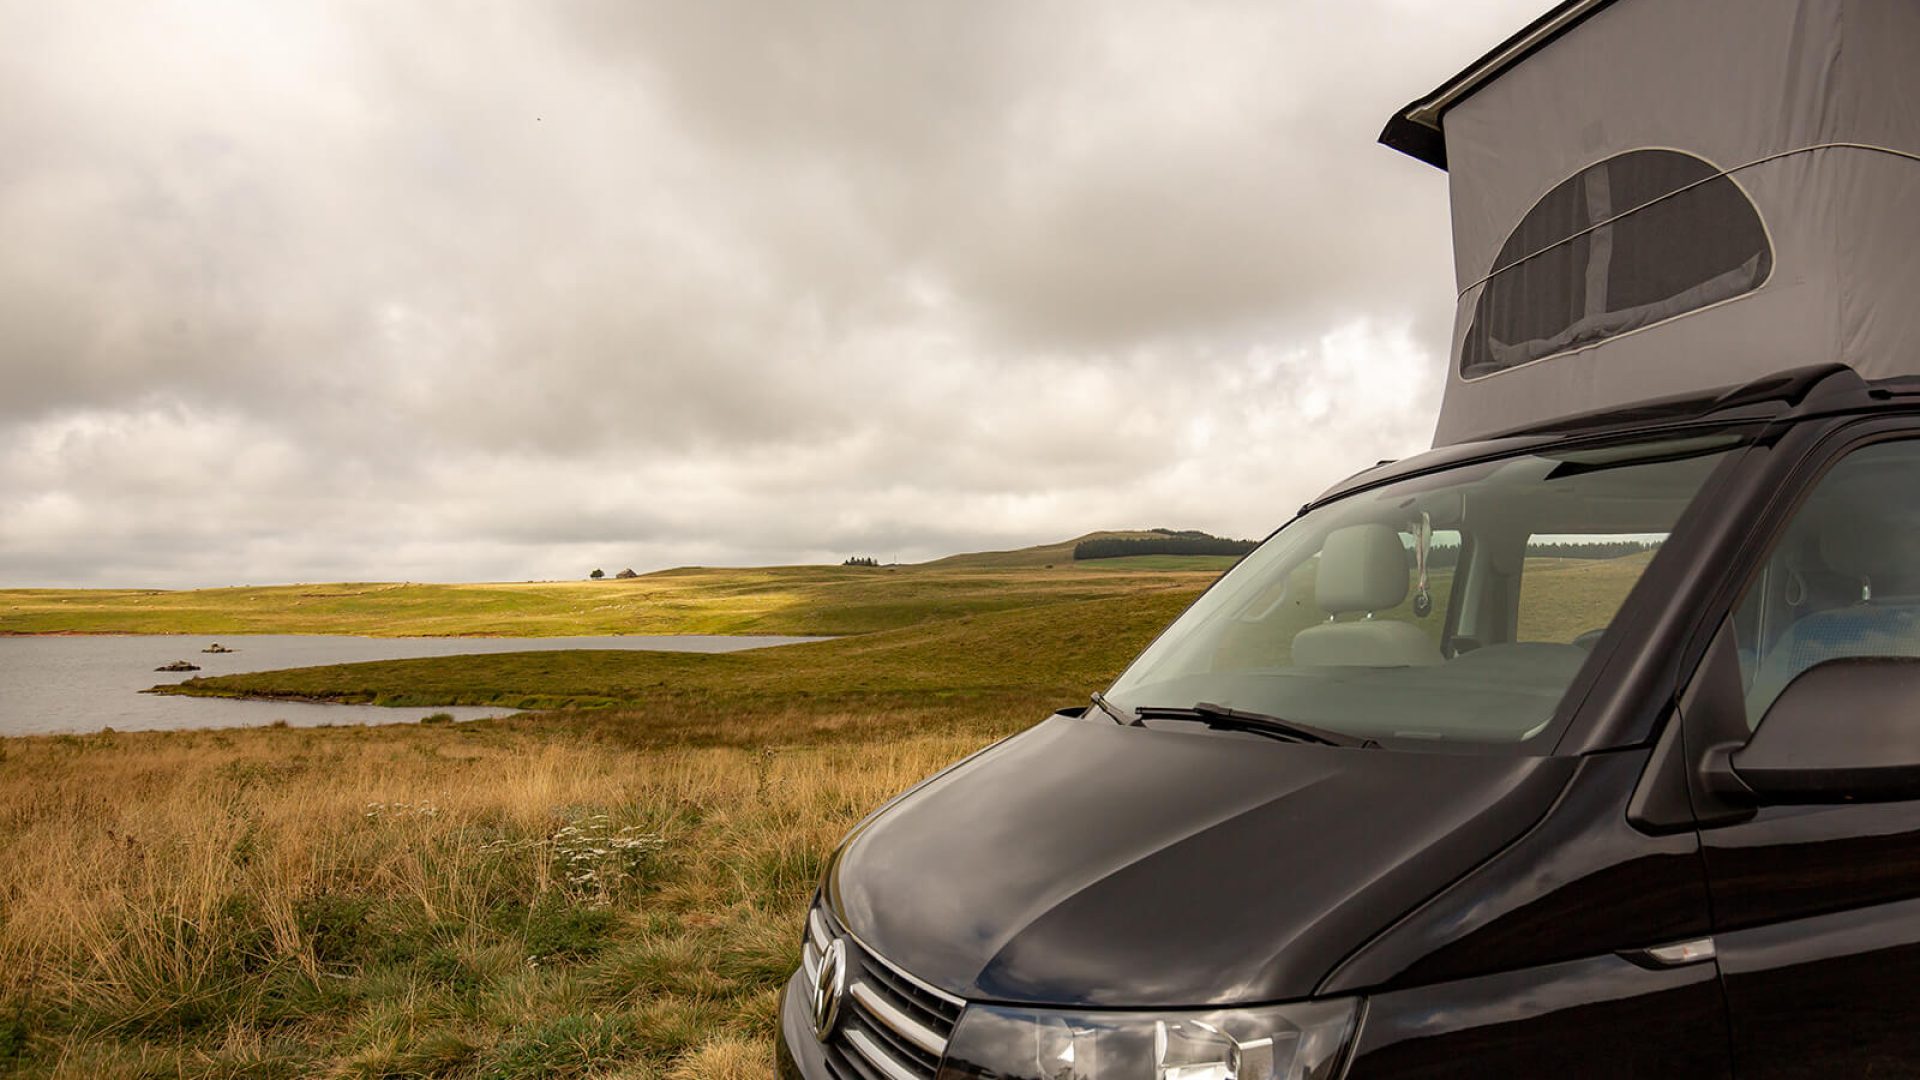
1816 908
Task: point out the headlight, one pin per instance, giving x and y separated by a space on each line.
1281 1042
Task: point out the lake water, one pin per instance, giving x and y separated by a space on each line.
88 682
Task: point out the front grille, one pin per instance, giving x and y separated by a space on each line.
891 1025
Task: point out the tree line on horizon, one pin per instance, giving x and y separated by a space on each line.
1446 556
1168 543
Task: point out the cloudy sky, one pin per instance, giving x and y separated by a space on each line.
498 291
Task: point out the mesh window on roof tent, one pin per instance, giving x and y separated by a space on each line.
1626 243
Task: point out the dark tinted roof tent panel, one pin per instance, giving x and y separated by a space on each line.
1653 197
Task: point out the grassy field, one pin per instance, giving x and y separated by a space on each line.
775 600
1052 653
1561 599
606 891
1213 563
495 900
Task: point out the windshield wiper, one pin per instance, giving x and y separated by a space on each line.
1231 719
1111 709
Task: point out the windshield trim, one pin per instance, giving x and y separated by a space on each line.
1441 459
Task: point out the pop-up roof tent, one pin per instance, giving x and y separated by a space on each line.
1652 197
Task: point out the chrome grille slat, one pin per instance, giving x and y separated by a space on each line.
909 1056
886 1064
884 1027
842 1061
897 1020
831 927
908 984
935 1012
840 1067
892 1026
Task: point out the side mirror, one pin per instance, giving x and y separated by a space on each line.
1842 731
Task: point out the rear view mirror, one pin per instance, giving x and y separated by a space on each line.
1842 731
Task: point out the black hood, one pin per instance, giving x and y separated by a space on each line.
1087 863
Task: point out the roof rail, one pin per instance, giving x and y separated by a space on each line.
1790 387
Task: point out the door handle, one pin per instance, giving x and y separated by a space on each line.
1678 954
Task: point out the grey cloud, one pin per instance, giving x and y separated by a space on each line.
366 291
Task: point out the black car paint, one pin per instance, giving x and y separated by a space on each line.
1127 866
797 1055
1517 951
1816 911
1582 875
1598 1017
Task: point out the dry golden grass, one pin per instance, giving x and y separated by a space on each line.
698 600
728 1057
400 901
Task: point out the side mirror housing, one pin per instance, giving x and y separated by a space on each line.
1842 731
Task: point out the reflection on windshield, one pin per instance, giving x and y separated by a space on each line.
1453 606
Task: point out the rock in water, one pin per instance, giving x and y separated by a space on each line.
178 665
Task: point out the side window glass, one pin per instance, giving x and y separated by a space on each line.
1844 581
1572 585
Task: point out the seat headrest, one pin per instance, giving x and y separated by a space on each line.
1860 546
1362 568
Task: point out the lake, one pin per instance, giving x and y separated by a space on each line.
88 682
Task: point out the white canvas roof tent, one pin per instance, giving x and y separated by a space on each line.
1658 197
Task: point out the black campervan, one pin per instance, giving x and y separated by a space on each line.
1586 743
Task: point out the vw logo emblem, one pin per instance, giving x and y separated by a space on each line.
829 983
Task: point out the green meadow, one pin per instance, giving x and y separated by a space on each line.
827 600
1052 652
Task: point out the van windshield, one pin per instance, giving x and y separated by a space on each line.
1454 606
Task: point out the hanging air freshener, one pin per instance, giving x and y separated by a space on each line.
1422 599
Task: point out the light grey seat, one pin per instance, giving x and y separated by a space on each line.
1363 569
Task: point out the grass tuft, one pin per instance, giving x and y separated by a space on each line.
559 931
564 1047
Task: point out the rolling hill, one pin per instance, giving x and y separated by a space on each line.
1061 553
